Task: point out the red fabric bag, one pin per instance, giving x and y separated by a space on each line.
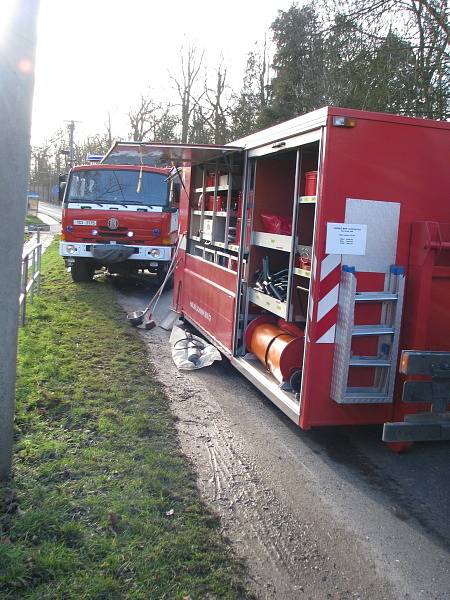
276 224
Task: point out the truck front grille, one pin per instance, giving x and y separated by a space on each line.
121 232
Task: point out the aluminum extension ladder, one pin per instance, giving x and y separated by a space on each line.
388 332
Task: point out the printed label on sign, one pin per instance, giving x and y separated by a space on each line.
346 238
78 222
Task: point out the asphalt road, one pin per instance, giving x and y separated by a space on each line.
49 210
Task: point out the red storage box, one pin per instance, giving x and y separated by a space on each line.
311 183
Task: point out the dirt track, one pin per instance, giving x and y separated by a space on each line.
324 514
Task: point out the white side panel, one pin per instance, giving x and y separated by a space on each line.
292 142
382 220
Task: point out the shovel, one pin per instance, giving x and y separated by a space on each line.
136 317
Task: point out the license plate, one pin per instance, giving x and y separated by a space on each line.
80 222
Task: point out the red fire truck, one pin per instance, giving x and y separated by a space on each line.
314 252
119 216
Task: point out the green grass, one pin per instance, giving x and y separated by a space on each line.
32 220
98 466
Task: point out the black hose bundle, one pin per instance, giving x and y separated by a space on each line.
272 284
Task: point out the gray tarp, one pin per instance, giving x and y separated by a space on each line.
109 254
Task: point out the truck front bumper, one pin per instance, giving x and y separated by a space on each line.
72 250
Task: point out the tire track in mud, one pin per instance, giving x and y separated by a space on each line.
285 558
248 509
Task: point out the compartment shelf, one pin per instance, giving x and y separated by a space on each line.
307 199
223 213
302 272
233 247
272 240
271 304
220 188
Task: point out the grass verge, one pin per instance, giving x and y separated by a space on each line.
32 220
102 503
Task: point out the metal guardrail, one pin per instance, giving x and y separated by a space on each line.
30 276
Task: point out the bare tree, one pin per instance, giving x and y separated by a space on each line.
210 115
141 119
218 112
152 120
424 25
255 94
191 64
108 127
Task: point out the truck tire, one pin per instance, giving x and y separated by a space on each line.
160 276
82 271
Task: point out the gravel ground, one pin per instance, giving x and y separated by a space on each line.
329 514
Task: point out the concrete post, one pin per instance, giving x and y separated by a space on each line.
17 55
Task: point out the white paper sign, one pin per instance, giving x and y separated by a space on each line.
346 238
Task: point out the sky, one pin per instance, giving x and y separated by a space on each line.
99 56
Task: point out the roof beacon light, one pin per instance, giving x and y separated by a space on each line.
94 158
344 122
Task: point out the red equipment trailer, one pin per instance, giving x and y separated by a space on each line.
122 217
299 242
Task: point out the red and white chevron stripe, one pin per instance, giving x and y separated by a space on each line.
327 305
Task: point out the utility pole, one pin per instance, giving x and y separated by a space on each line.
71 128
17 55
70 153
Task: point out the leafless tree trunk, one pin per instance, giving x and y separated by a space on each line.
108 126
140 119
217 113
190 68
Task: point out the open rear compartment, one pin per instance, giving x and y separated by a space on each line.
211 263
280 211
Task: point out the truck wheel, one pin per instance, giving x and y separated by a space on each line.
160 276
82 271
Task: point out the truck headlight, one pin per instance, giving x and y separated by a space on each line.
71 249
155 252
130 233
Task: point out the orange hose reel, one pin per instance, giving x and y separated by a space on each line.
279 350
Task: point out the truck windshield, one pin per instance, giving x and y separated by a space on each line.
111 186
